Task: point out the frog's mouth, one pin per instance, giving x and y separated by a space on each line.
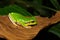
31 24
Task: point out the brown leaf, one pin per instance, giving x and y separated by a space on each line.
12 32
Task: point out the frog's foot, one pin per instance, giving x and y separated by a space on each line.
17 23
28 27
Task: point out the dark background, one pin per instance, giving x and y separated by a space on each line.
43 34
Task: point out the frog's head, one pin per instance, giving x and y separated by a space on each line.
31 21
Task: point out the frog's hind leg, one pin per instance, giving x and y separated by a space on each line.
12 21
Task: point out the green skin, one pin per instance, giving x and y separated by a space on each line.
18 19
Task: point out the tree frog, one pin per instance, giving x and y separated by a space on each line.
19 19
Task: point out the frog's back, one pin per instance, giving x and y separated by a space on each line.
17 16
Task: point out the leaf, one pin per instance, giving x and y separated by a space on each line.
55 29
14 8
56 4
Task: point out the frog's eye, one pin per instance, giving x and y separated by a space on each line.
32 21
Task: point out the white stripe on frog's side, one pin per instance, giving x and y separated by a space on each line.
12 20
